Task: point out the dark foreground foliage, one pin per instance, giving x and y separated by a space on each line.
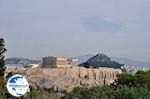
107 92
38 93
33 94
125 87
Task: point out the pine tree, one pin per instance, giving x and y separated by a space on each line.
2 51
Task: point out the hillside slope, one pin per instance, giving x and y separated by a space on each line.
101 60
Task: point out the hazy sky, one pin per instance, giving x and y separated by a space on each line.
37 28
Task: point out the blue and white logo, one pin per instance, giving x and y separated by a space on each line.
17 85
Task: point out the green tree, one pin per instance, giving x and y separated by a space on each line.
3 90
2 51
125 87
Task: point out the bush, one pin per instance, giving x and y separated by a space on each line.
125 87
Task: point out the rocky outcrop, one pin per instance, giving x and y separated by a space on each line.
60 79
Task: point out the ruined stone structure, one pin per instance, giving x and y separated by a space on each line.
54 62
72 62
60 79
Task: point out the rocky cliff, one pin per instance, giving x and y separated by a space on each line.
61 79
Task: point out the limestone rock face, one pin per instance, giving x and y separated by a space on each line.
61 79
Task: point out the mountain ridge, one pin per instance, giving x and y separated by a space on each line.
82 59
121 60
23 61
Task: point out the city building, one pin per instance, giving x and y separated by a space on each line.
133 69
55 62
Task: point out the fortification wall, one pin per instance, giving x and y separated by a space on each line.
61 79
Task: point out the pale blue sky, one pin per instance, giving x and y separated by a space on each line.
37 28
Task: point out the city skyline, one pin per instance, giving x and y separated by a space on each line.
34 29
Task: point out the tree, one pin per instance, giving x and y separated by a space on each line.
2 51
3 90
125 87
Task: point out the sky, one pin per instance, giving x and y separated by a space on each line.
38 28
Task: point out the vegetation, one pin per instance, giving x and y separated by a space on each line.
125 87
140 79
2 51
33 94
2 68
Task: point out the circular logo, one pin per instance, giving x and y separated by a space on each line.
17 85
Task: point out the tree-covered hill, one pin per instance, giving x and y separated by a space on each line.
101 60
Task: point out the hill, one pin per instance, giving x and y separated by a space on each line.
23 61
101 60
121 60
131 62
84 58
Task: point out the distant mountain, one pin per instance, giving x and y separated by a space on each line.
23 61
101 60
121 60
84 58
131 62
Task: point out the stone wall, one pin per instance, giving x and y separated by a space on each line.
56 62
61 79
